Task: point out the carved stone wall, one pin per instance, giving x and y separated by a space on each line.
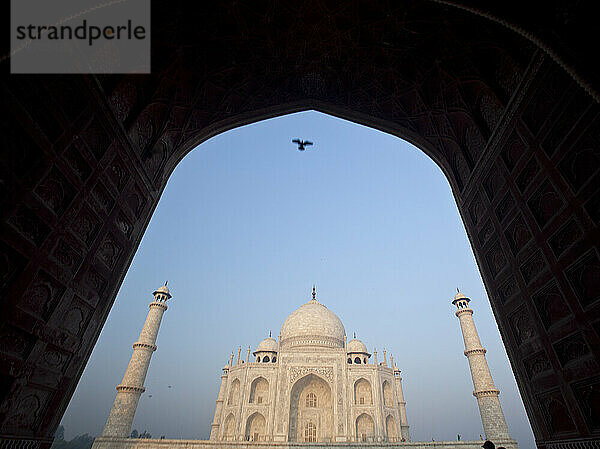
85 159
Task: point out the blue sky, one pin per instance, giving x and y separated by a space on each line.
247 224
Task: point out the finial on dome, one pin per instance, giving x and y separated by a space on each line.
354 335
314 293
269 333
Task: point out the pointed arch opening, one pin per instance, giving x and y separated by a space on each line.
234 393
390 429
255 427
388 397
311 402
229 428
365 428
259 391
363 394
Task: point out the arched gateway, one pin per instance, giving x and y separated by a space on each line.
503 99
311 410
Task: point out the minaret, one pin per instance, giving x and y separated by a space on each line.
492 418
401 405
215 426
121 415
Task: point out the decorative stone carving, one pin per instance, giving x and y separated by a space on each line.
75 317
85 226
584 277
123 225
504 207
55 191
475 142
103 198
25 414
491 110
118 173
587 393
496 259
43 295
15 341
556 414
581 163
486 232
513 150
77 162
571 348
96 138
11 264
508 289
537 364
109 251
53 358
517 235
545 204
522 325
95 281
565 237
476 210
550 305
123 99
29 225
493 184
527 174
301 371
533 266
66 256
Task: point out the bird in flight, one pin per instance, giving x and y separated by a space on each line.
302 144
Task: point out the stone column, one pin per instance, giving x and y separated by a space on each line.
401 406
492 418
121 415
218 419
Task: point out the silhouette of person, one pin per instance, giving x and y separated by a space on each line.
488 445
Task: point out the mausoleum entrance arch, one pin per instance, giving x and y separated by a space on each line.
311 408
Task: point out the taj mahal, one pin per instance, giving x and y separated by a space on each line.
311 386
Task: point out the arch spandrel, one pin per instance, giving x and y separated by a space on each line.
93 154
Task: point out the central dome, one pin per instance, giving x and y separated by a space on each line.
312 324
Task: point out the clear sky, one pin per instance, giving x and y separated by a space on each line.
247 224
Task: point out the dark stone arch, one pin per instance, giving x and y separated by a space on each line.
85 159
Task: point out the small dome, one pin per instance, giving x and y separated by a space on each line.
312 324
459 295
356 345
267 345
164 290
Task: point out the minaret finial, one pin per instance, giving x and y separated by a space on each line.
354 334
166 282
457 290
269 333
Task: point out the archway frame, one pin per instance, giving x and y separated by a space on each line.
493 253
